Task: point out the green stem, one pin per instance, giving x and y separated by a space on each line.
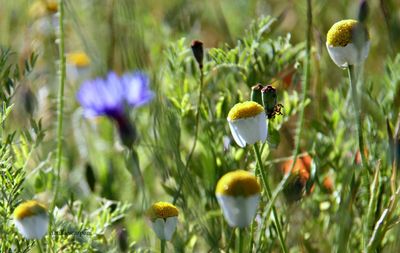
196 133
252 235
39 244
364 163
269 195
163 243
306 82
356 103
60 108
240 248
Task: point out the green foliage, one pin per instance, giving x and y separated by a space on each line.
183 147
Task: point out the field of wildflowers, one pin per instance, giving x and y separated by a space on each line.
199 126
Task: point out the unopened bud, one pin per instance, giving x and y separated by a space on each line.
269 100
363 11
122 236
127 131
198 52
256 95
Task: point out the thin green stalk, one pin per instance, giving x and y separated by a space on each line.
39 244
364 175
241 235
60 108
60 105
196 133
252 235
163 243
269 195
356 103
306 82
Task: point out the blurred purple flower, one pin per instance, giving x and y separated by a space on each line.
113 95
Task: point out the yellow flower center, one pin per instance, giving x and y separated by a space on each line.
52 6
162 210
29 208
79 59
341 33
238 183
245 110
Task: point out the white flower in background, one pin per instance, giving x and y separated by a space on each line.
248 123
78 66
238 194
348 43
31 219
164 218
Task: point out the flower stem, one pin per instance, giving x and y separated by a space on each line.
356 103
39 245
60 107
306 82
196 133
364 175
240 246
269 195
163 243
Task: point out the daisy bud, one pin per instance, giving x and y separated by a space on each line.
238 194
256 93
269 99
198 52
348 43
164 218
247 122
31 219
363 11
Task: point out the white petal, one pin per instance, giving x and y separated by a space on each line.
236 136
34 227
170 226
344 56
238 211
158 228
249 130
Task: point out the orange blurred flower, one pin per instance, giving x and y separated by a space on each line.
327 184
357 158
299 176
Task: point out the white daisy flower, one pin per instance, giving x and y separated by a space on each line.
238 194
78 66
248 123
341 43
31 219
164 218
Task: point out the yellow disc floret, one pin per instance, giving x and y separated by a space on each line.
52 6
162 210
79 59
28 209
341 32
245 110
238 183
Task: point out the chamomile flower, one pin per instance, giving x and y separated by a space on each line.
238 194
77 66
31 219
348 43
164 218
248 123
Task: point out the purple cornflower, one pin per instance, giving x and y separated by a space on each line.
112 97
